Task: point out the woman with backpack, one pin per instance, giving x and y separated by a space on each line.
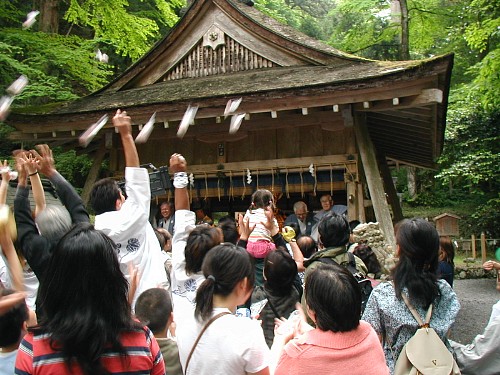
415 277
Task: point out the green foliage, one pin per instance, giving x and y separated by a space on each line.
73 167
486 218
129 34
299 14
471 157
58 67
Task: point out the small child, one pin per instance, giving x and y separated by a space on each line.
260 240
13 326
154 308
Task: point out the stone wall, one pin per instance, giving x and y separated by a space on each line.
473 272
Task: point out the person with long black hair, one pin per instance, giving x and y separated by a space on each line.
86 326
416 277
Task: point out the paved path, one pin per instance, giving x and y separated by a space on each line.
476 297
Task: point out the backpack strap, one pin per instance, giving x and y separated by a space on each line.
213 319
416 315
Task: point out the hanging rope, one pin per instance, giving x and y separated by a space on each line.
286 184
315 182
231 187
218 188
257 179
206 187
244 185
331 180
272 180
301 183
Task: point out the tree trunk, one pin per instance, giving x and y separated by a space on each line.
49 16
411 174
405 35
399 15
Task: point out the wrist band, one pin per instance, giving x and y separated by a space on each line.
180 180
32 174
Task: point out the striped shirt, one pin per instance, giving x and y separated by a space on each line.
35 356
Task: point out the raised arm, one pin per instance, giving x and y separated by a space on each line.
15 269
4 185
36 183
178 166
123 123
68 195
32 244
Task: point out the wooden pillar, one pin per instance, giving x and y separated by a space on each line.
373 179
473 246
361 203
397 212
352 196
483 248
93 173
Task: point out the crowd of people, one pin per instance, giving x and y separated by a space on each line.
184 296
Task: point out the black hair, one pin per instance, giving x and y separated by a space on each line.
154 308
227 225
262 198
353 224
226 264
279 270
103 196
334 230
83 298
11 322
333 294
307 246
199 242
417 266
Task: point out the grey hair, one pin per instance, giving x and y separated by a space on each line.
53 222
299 204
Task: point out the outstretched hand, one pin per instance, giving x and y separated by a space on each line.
122 122
270 223
178 163
245 228
44 159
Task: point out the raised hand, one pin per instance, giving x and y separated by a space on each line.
178 163
244 227
44 159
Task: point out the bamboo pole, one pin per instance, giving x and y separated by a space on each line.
483 248
473 244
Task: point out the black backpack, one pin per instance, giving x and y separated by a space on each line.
365 284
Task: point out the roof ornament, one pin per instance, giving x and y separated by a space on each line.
214 37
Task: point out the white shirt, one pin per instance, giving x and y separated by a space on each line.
230 345
133 234
183 286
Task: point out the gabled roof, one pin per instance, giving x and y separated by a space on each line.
270 43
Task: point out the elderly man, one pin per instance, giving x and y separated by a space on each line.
328 206
304 220
167 220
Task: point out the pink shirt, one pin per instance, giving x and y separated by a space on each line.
317 352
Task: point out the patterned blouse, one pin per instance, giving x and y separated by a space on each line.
392 320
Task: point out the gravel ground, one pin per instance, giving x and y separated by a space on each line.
476 297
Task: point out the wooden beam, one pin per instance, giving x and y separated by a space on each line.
374 181
397 212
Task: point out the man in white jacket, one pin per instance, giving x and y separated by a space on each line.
126 221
